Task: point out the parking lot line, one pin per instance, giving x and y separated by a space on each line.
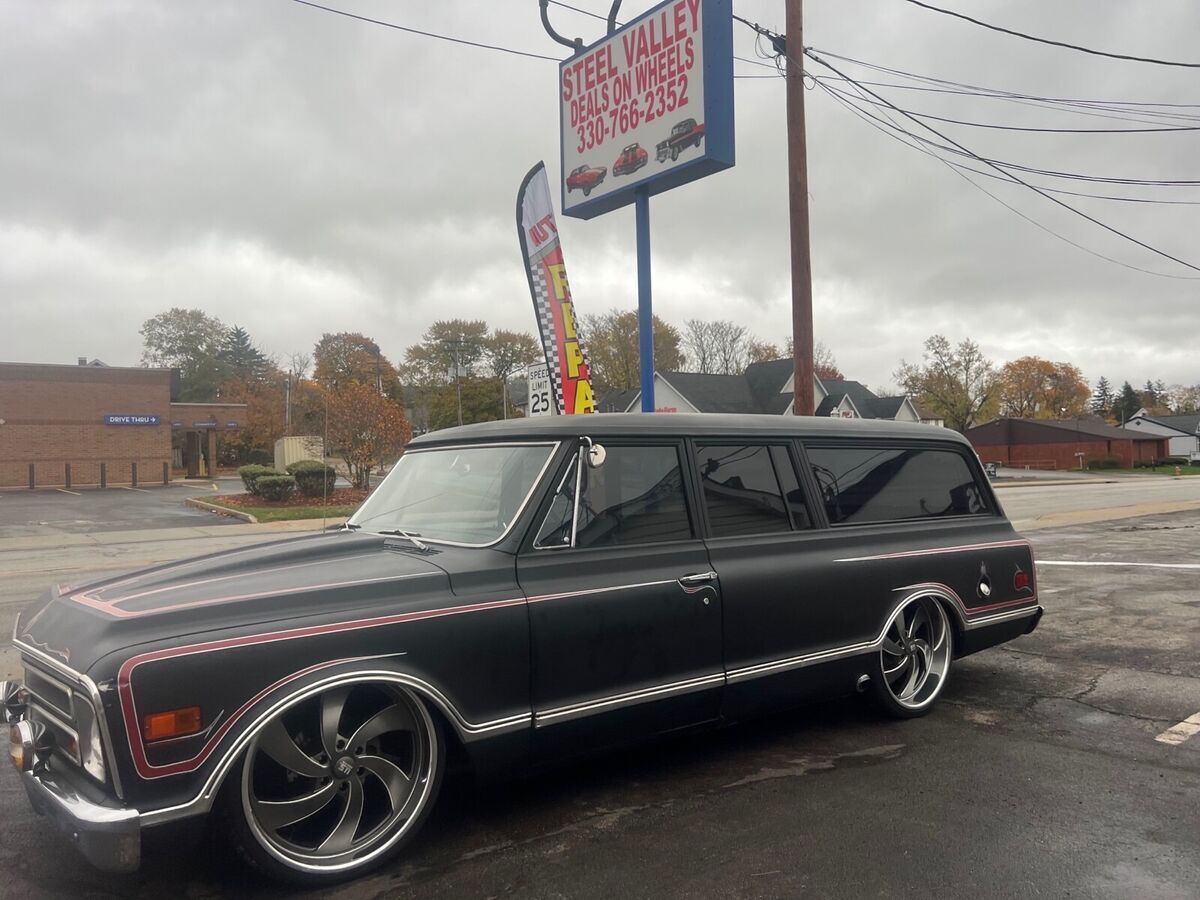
1144 565
65 491
139 490
1177 734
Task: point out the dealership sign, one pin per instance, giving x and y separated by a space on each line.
131 420
649 106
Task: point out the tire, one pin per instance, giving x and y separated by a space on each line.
674 154
587 191
912 665
288 802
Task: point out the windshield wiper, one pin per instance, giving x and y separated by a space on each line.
411 535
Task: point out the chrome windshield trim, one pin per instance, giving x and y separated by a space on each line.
553 445
93 694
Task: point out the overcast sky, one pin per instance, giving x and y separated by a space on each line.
296 172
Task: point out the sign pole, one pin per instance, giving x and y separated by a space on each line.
641 214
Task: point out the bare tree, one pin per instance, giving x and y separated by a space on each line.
720 347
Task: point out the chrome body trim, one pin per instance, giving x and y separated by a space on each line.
109 837
553 445
619 701
93 694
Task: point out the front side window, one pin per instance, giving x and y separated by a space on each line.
860 485
465 495
635 497
741 490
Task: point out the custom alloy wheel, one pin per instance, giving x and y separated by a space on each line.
335 783
914 659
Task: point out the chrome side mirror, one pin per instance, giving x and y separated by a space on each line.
596 455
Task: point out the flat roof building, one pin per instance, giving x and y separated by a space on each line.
91 423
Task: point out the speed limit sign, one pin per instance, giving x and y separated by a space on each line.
541 397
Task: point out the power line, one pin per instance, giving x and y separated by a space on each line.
1153 130
1063 44
1109 228
960 169
428 34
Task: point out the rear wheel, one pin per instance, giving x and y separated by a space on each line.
336 784
913 663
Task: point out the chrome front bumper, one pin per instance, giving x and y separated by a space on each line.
110 837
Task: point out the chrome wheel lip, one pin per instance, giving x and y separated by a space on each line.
379 840
922 656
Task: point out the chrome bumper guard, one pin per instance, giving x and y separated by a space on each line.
110 837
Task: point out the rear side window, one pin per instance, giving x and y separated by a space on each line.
741 490
860 485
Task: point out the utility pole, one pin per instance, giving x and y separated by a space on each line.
456 343
802 326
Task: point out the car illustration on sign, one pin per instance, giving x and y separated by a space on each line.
513 593
683 135
585 178
631 159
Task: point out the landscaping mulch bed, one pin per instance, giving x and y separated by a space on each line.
337 497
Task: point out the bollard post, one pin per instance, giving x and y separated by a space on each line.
31 476
67 477
133 474
166 474
103 475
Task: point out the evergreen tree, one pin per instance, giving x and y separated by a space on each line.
1102 400
244 361
1127 403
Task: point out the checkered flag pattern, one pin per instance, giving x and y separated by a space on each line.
545 317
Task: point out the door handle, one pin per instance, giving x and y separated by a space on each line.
697 580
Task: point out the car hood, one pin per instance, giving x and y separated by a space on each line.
328 574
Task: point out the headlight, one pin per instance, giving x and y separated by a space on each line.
28 744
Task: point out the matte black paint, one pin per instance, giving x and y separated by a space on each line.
496 656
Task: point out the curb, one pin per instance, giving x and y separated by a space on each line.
220 510
1039 482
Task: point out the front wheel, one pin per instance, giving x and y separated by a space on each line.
335 784
913 663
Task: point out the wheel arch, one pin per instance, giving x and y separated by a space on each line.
456 730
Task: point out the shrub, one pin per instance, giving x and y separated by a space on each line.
313 478
1105 462
260 457
250 475
275 487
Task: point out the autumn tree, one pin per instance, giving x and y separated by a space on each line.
761 351
365 428
825 364
191 341
507 352
349 356
1036 388
611 343
956 382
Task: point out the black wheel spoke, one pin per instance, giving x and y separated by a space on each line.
342 837
279 745
392 718
394 779
275 814
332 703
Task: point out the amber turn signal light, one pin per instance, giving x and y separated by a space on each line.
172 723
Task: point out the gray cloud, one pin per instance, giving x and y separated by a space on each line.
297 172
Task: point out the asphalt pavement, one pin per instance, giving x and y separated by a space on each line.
1053 766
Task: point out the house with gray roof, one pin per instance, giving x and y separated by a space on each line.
1183 431
765 388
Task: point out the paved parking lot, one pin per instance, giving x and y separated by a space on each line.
1054 766
91 510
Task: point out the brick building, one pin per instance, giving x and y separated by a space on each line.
1061 443
92 423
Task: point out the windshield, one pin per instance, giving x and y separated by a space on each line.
462 495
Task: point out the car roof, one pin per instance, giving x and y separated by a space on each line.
685 425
